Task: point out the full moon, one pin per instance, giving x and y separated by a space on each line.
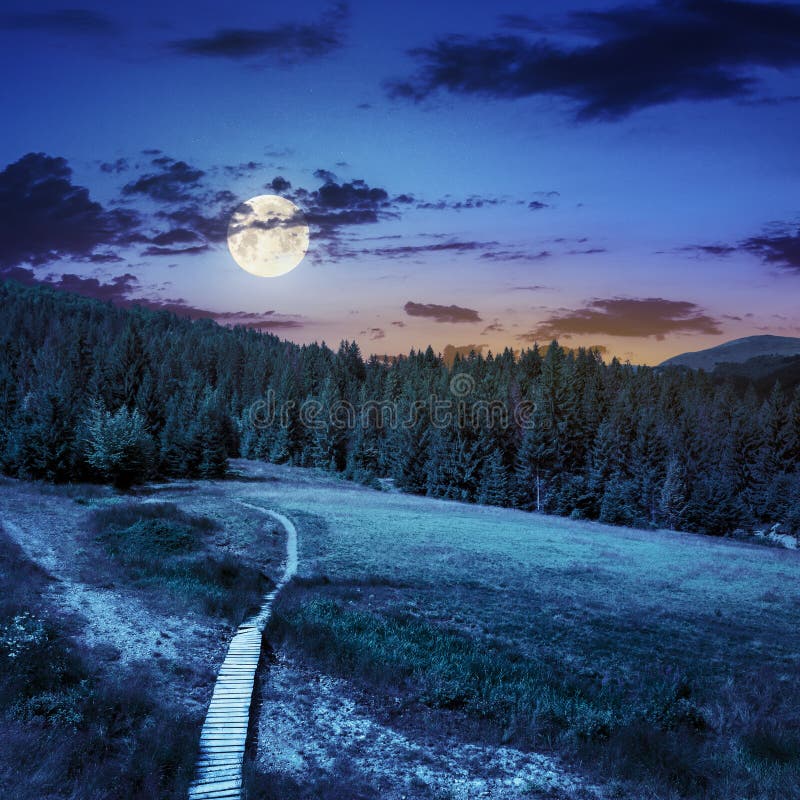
268 235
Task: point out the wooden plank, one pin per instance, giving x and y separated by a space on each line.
218 773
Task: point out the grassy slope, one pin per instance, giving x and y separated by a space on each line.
671 658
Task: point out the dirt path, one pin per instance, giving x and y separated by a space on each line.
111 616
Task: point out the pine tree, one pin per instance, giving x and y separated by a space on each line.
118 446
493 489
672 499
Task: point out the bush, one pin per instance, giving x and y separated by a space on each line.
163 547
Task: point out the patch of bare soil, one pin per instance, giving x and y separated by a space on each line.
313 728
104 610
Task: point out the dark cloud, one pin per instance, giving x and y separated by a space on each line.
121 291
471 202
376 333
639 56
711 249
176 251
176 236
279 184
70 21
212 227
441 313
174 181
44 216
399 323
117 291
620 316
515 255
120 165
531 288
779 248
537 205
325 175
589 251
334 205
405 251
245 168
288 43
100 258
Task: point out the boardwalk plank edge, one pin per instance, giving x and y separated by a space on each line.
218 769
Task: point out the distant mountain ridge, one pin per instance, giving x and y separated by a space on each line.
736 352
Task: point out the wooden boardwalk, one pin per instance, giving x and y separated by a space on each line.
224 734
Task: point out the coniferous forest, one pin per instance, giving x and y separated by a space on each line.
91 392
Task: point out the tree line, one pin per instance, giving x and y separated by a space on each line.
89 391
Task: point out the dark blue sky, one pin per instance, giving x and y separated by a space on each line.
620 175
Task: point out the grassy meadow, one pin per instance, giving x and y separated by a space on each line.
664 664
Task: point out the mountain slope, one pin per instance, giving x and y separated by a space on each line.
737 351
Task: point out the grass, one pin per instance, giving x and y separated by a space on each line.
168 550
69 727
667 729
667 661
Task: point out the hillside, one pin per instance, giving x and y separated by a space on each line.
736 351
90 392
427 648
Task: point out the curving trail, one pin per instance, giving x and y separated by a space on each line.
222 740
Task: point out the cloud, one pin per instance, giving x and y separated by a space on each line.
377 333
122 290
711 249
279 184
494 327
406 251
115 167
441 313
515 255
117 291
620 316
176 251
174 181
71 21
245 168
531 288
288 43
638 56
779 248
212 227
471 202
398 323
44 216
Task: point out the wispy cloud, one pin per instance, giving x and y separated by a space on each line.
440 313
287 43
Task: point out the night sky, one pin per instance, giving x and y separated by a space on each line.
615 175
